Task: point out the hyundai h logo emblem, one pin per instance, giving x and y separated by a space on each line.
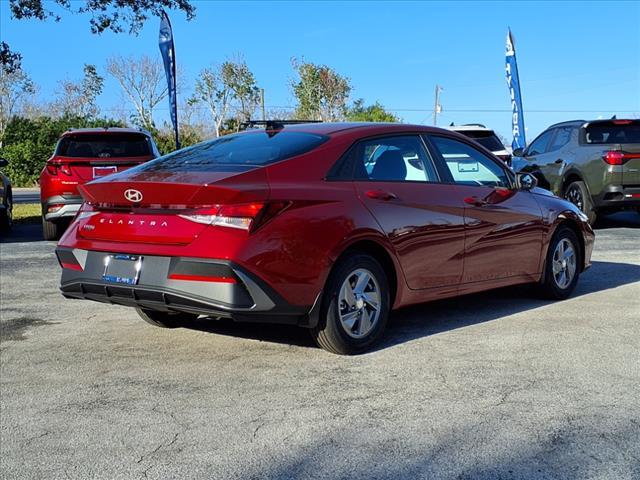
132 195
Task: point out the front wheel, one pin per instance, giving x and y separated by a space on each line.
165 319
577 193
355 306
6 215
562 266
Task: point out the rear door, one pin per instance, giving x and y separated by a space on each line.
396 180
503 225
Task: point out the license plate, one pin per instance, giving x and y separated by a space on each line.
103 171
122 268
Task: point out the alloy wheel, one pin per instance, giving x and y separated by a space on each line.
359 303
574 195
564 263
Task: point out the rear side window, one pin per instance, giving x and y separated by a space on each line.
488 140
563 135
110 145
259 148
612 132
393 159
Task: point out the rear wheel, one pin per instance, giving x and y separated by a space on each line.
6 214
52 230
577 193
165 319
355 306
562 266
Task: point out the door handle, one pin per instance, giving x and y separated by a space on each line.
381 195
559 161
475 201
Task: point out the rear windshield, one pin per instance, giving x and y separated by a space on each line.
487 139
603 133
110 145
259 148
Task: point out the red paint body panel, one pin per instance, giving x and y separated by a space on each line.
438 245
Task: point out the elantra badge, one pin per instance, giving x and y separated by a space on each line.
132 195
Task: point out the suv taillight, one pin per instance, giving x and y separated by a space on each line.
53 168
616 157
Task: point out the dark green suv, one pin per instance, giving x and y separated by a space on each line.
593 164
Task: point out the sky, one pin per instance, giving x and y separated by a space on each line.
576 59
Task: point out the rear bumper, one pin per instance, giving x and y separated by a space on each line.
181 284
618 197
63 206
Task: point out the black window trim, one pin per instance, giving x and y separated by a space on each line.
508 172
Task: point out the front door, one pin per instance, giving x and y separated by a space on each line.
503 225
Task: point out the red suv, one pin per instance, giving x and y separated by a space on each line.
325 226
83 155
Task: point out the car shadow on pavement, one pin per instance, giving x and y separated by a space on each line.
625 219
440 316
22 233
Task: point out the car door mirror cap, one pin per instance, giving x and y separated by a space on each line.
526 181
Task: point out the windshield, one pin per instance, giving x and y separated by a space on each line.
259 148
488 140
108 145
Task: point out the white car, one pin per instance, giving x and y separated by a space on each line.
485 137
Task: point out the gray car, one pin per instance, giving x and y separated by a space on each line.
6 199
593 164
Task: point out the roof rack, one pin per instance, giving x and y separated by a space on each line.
474 125
274 124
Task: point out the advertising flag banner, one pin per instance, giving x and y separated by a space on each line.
513 82
168 53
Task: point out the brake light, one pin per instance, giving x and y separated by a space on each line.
52 169
622 122
616 157
86 211
234 216
65 168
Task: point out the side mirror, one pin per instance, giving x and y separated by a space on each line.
526 181
3 162
518 152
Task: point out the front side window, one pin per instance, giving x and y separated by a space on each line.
469 166
395 159
563 135
540 144
243 149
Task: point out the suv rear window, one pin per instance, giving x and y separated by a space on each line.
612 132
488 140
259 148
108 145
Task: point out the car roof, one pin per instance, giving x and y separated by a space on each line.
335 128
74 131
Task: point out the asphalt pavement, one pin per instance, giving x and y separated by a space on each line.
500 385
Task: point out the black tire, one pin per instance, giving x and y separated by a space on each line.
330 334
549 286
6 214
52 230
577 193
165 319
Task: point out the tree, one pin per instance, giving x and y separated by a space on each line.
372 113
242 83
212 90
9 61
15 85
143 82
321 92
114 15
79 99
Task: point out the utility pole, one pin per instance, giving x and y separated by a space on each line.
264 117
437 108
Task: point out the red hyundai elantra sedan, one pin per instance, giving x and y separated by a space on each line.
325 226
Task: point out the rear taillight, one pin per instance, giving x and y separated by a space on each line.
616 157
234 216
246 216
54 168
86 211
